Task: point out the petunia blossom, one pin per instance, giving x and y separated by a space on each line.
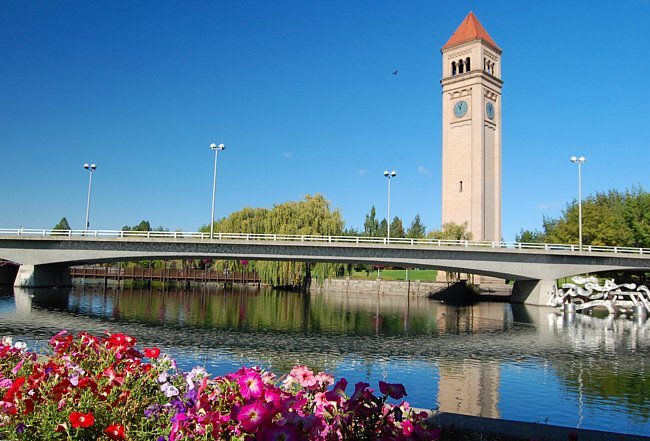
252 416
169 390
393 390
251 385
78 419
115 431
304 376
151 352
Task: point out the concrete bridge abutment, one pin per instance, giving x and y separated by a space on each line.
34 276
533 292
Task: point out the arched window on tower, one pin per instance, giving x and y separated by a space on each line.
453 68
460 66
467 68
485 64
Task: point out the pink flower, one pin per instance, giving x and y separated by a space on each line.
393 390
251 385
304 376
7 407
324 380
407 428
252 416
273 397
113 378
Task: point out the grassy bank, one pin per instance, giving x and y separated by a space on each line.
398 274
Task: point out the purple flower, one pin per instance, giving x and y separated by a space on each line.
191 395
20 427
393 390
152 411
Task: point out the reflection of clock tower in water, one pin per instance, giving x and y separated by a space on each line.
471 131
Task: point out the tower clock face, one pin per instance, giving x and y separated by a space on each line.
489 109
460 108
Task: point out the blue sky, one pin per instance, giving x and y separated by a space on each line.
303 96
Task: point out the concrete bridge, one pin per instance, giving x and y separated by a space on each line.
46 255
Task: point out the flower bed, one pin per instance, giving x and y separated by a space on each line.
89 388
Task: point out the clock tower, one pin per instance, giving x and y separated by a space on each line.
471 131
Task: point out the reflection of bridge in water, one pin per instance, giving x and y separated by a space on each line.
163 274
468 346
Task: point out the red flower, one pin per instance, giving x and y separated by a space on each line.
113 377
115 431
151 352
121 340
78 419
14 389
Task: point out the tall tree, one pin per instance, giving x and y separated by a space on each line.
62 225
311 216
397 228
416 229
142 226
382 231
371 224
611 218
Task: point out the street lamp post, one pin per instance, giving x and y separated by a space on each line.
389 176
579 160
91 168
217 149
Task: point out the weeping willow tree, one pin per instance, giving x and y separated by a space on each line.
311 216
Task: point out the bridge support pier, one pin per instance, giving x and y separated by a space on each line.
533 292
33 276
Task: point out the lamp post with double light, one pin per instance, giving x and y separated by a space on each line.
579 160
389 175
91 169
217 149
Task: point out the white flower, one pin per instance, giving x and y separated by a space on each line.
169 390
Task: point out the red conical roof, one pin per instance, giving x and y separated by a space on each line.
469 30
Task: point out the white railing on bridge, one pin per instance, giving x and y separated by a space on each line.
182 235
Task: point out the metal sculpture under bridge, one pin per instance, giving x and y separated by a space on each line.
586 293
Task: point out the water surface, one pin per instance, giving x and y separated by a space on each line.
490 359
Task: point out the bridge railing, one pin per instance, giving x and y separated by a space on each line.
217 237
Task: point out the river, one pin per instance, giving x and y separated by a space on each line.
489 359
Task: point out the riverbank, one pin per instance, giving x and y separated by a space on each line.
485 291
